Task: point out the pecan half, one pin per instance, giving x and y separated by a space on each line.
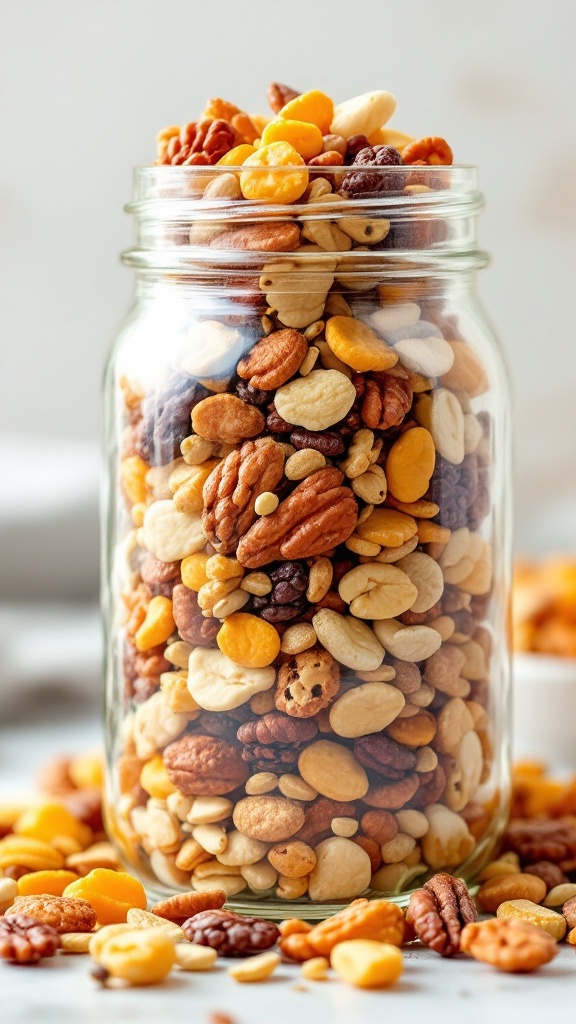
274 741
232 488
259 238
274 359
387 398
278 95
184 905
192 625
231 934
383 755
438 912
318 515
25 940
204 766
534 840
198 142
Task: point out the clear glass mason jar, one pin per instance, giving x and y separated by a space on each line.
306 540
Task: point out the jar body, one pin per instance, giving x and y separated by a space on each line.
306 582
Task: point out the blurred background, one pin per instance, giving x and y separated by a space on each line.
85 88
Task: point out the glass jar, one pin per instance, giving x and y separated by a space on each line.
307 540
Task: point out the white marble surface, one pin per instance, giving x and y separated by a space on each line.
431 990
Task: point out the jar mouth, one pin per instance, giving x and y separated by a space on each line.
428 210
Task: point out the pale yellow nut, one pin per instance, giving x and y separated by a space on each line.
257 583
8 893
559 894
294 787
262 782
366 963
302 463
311 357
298 638
142 956
233 602
144 919
256 968
218 567
315 969
192 957
345 827
524 910
75 942
99 938
266 503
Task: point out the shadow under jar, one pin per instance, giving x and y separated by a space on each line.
307 552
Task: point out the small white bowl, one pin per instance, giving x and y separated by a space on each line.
544 709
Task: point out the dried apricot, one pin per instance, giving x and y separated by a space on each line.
314 107
236 157
306 138
110 893
45 883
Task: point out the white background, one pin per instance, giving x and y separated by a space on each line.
85 86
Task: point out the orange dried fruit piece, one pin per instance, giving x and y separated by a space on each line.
158 624
87 770
387 527
45 883
49 820
263 178
133 472
111 893
248 640
410 464
314 107
193 570
154 778
357 345
236 157
23 851
304 137
379 920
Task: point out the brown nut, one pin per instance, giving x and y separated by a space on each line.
508 944
318 515
205 766
379 825
25 940
184 905
232 489
64 913
439 911
274 359
225 417
510 887
268 818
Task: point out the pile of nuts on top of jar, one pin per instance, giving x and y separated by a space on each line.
305 652
62 890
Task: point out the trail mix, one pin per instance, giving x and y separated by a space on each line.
62 892
307 559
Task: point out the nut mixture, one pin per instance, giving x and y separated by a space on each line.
305 560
